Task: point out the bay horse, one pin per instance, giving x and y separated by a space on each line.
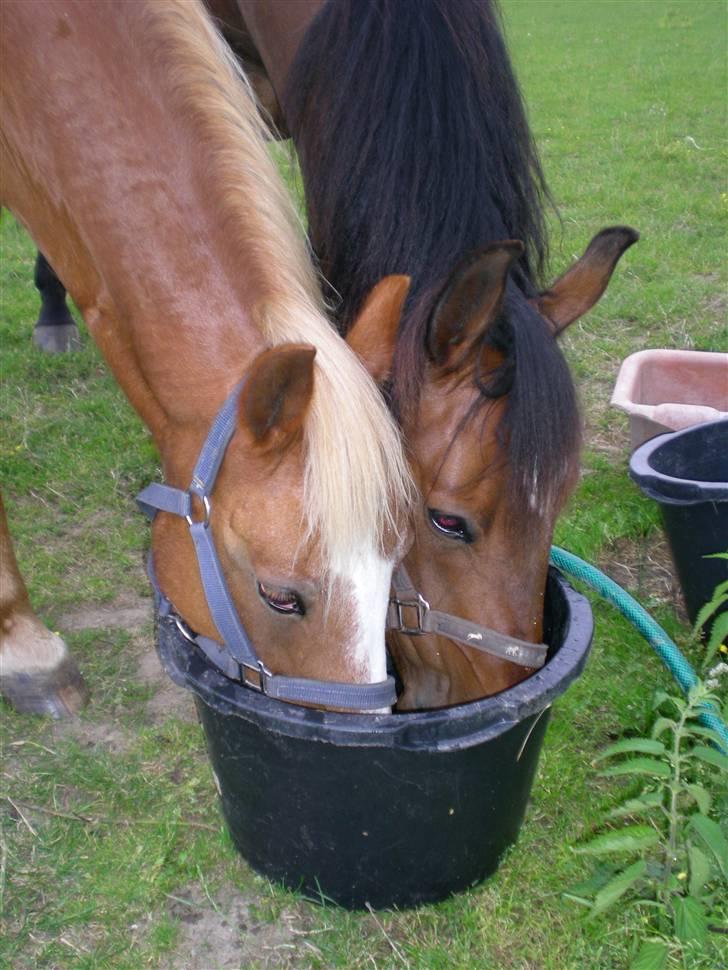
417 159
133 153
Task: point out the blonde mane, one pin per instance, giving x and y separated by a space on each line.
357 483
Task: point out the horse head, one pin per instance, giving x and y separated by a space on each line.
313 607
493 447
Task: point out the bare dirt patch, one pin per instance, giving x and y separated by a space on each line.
127 612
611 441
93 734
224 932
644 567
168 699
133 614
717 305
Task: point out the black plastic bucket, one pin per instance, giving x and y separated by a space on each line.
687 473
394 809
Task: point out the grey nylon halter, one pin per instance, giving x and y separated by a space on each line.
410 613
235 656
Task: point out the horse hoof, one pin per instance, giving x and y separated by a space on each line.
56 693
56 339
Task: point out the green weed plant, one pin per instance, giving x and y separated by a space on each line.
672 854
714 608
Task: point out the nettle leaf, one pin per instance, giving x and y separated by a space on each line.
661 697
710 832
655 870
661 725
652 955
699 869
672 882
704 614
721 620
617 887
639 766
632 838
647 802
599 877
701 797
643 745
695 693
709 608
718 634
698 731
652 904
720 596
580 900
689 919
710 756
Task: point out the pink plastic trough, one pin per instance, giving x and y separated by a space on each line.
667 390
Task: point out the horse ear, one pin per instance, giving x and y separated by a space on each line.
583 283
469 301
276 393
373 334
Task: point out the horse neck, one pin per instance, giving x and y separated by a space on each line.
91 155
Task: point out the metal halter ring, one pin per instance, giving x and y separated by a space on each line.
182 627
420 605
205 507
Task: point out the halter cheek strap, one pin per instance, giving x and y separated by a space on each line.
410 613
235 656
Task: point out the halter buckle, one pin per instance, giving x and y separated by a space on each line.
255 676
182 627
421 608
205 508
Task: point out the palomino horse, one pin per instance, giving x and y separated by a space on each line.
417 158
133 154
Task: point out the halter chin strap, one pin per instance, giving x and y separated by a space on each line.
235 656
410 613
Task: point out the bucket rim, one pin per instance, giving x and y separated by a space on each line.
669 489
444 729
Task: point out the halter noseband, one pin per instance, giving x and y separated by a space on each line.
235 656
410 613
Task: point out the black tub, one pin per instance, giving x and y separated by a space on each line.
686 472
380 809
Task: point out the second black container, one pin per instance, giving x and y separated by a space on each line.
686 472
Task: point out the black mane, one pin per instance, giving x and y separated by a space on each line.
414 150
413 141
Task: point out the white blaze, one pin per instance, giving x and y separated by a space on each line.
370 577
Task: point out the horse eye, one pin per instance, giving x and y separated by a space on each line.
282 600
451 526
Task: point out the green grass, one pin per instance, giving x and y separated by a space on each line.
108 826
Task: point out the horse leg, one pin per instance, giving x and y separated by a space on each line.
37 673
55 331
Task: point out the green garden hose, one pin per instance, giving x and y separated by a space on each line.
663 646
